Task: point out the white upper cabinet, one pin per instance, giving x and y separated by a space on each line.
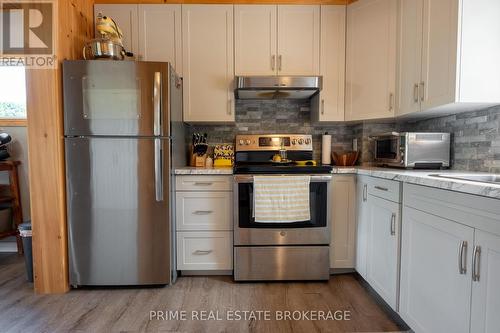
208 63
410 55
446 55
439 52
160 34
126 18
255 39
332 64
298 40
371 59
277 40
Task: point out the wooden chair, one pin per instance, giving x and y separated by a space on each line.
14 199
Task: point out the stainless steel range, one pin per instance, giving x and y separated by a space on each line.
280 251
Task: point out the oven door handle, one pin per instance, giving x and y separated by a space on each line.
314 178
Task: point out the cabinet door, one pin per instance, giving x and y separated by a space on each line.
298 40
435 293
332 63
160 34
362 225
126 18
485 290
207 50
383 248
371 59
439 57
343 230
410 56
255 39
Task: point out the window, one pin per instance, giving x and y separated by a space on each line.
12 93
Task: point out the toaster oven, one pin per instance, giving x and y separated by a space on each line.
417 150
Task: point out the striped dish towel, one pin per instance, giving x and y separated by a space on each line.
281 199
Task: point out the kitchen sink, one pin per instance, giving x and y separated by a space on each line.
493 179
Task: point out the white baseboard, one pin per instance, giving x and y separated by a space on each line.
8 247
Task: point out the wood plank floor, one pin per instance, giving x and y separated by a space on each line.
128 310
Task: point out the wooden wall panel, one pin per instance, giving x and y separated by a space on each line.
46 149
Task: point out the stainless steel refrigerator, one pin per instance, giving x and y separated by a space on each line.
123 135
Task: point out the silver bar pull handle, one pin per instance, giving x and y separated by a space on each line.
273 62
476 263
393 224
203 212
203 183
462 257
203 252
157 104
422 91
158 160
381 188
415 93
279 62
365 190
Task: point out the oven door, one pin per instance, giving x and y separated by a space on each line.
388 149
313 232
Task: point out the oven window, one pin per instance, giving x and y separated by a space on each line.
387 149
318 196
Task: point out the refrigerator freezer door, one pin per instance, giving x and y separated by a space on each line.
116 98
118 211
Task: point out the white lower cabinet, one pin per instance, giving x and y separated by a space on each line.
343 246
204 250
383 248
435 292
203 218
485 315
362 224
204 211
450 261
378 233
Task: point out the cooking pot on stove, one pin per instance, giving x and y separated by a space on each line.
104 48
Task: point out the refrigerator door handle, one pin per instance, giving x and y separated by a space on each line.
157 104
158 170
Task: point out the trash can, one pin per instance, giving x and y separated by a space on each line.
25 232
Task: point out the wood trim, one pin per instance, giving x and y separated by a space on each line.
46 149
278 2
13 122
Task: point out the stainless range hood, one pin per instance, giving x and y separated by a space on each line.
277 87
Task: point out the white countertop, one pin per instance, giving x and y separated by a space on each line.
418 177
422 177
203 171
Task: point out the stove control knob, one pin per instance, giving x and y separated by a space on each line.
248 142
301 141
242 142
294 141
308 141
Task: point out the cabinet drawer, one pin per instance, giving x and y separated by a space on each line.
384 188
204 210
212 250
204 183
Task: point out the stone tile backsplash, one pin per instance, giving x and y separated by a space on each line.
475 135
475 138
277 116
